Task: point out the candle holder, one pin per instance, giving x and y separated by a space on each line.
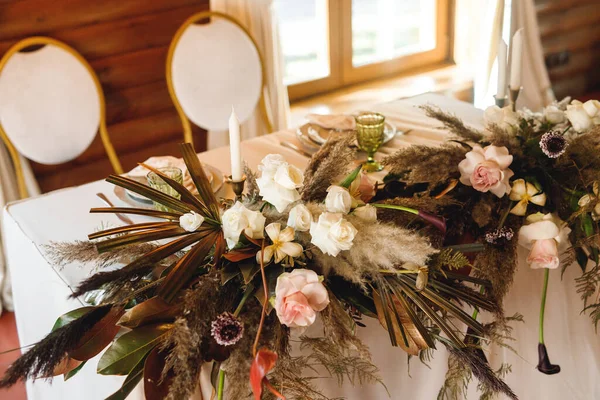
500 101
514 95
236 186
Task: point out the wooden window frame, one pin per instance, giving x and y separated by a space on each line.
342 73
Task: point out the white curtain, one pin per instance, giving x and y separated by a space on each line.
537 90
479 26
258 17
9 191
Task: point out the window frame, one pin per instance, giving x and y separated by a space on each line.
343 73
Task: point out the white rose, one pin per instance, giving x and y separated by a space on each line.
299 218
332 233
238 219
503 117
338 199
367 213
592 108
279 181
191 221
578 116
554 115
289 177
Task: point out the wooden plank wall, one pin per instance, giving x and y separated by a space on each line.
570 31
126 43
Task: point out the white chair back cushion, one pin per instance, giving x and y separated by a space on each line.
216 66
49 105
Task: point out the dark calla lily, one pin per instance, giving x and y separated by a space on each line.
544 364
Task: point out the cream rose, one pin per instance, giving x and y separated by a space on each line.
583 116
332 233
238 219
299 295
367 213
553 114
299 218
191 221
546 237
486 169
338 200
279 181
503 117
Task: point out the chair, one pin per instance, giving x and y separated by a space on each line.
212 67
51 105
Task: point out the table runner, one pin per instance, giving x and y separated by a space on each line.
40 291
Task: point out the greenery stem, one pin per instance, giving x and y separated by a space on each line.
395 207
264 308
247 293
543 304
221 385
505 215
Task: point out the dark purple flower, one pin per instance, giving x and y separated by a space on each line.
499 235
544 364
553 144
227 330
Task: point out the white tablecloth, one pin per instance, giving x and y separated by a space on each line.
40 290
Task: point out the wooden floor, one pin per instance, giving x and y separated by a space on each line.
9 340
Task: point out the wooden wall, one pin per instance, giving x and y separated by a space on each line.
126 43
570 31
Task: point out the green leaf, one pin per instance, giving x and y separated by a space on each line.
151 311
128 350
74 371
351 177
134 377
156 387
71 316
582 258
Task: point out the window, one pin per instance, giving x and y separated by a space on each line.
328 44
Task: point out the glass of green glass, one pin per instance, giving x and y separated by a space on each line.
369 135
156 182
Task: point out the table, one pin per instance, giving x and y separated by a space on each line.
41 291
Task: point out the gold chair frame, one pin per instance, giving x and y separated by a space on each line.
42 40
187 128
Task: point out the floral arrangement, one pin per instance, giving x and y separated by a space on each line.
528 180
230 282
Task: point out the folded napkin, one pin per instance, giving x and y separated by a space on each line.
168 161
338 122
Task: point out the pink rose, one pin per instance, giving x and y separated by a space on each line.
486 169
299 295
545 236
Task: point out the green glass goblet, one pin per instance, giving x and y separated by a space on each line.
156 182
369 135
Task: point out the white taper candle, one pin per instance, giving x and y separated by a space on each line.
502 51
234 146
516 53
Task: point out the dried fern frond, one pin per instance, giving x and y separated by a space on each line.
450 258
453 123
457 380
340 364
332 162
251 185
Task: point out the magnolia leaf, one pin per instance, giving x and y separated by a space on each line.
263 363
128 350
74 371
156 387
96 339
249 271
228 272
238 255
134 377
272 272
65 366
71 316
153 310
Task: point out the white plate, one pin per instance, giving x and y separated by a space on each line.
136 200
318 135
